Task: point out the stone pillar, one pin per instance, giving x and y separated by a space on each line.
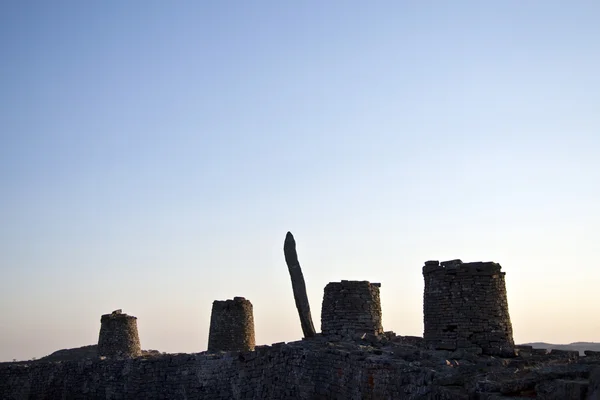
298 286
119 335
465 307
231 326
351 308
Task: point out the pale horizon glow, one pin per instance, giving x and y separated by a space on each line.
153 156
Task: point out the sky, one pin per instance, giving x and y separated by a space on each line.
154 154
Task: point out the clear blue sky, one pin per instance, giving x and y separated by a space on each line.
154 154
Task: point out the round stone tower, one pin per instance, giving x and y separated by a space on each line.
119 335
231 326
465 307
351 308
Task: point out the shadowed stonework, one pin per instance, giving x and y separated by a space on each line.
231 326
119 335
351 308
465 307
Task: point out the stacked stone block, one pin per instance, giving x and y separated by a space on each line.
303 370
298 371
231 326
119 336
351 308
465 307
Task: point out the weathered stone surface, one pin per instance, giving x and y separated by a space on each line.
594 386
568 354
119 336
351 308
561 389
298 286
307 369
231 326
465 306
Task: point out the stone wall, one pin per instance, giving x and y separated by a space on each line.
297 370
378 367
351 308
119 335
231 326
465 306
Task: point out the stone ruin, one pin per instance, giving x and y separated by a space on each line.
231 326
350 309
465 307
466 353
119 336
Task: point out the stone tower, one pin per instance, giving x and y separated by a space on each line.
351 308
231 326
119 335
465 307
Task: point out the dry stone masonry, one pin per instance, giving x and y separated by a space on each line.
467 353
383 367
465 307
351 308
119 336
231 326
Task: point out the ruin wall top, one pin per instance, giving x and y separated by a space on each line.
458 267
116 315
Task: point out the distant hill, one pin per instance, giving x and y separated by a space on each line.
576 346
72 354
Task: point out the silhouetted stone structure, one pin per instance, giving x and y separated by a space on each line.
298 285
119 335
351 308
465 307
231 326
385 368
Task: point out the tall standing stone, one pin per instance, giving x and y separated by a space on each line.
119 335
298 285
